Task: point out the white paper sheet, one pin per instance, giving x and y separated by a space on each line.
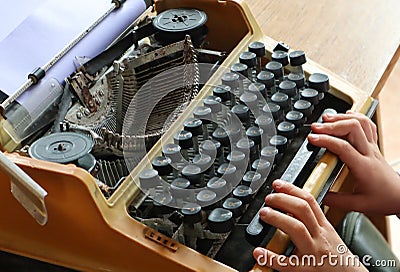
35 31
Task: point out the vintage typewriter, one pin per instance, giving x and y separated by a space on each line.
163 147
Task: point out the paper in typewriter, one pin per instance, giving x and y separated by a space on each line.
33 32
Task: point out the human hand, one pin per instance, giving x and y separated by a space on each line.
318 246
353 138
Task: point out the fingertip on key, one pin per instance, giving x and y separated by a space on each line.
265 211
313 137
278 183
258 252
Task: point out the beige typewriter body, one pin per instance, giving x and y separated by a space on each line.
86 231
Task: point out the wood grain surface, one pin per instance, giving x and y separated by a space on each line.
356 39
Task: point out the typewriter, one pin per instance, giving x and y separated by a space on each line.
161 149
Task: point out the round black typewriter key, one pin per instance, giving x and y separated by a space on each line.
205 163
213 148
255 133
178 188
223 92
238 159
173 152
282 100
298 79
243 193
220 135
234 205
247 147
248 58
266 123
192 173
258 89
206 198
297 58
191 213
239 68
219 186
319 82
288 87
279 142
162 204
228 172
203 113
257 48
214 103
282 47
184 139
262 166
234 134
310 95
281 57
220 220
242 112
270 153
251 177
286 129
295 117
274 110
230 79
149 179
305 107
251 101
194 126
162 165
276 68
267 78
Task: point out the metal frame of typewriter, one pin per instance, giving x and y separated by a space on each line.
87 232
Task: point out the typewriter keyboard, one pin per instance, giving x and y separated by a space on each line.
208 182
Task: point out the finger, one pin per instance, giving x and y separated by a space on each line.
265 257
296 230
290 189
343 149
298 207
367 125
350 130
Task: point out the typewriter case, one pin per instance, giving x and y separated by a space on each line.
87 232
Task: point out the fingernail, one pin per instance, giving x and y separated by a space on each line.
350 111
264 211
278 183
258 251
313 137
328 115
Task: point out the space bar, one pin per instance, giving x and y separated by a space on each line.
257 230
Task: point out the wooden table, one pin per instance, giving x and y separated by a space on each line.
357 39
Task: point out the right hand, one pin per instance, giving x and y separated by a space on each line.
353 138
